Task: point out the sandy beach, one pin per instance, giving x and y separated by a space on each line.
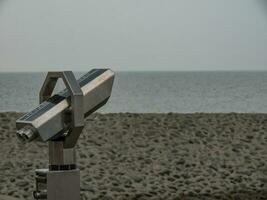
151 156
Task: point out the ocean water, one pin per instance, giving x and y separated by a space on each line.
155 92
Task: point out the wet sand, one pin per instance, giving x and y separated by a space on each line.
151 156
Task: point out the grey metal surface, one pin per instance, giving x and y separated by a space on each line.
58 155
76 99
63 185
49 119
57 185
40 184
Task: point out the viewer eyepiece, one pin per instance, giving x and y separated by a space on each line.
26 134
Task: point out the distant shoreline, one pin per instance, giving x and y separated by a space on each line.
152 92
148 71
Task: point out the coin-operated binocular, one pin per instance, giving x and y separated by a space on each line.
59 120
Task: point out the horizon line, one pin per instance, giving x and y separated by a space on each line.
246 70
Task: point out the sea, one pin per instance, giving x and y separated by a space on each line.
155 92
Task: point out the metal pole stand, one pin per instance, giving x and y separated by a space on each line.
62 180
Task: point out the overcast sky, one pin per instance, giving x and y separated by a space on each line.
133 34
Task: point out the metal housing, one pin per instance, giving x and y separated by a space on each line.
52 117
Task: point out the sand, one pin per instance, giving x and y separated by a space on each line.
151 156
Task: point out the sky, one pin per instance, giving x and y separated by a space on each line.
133 35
